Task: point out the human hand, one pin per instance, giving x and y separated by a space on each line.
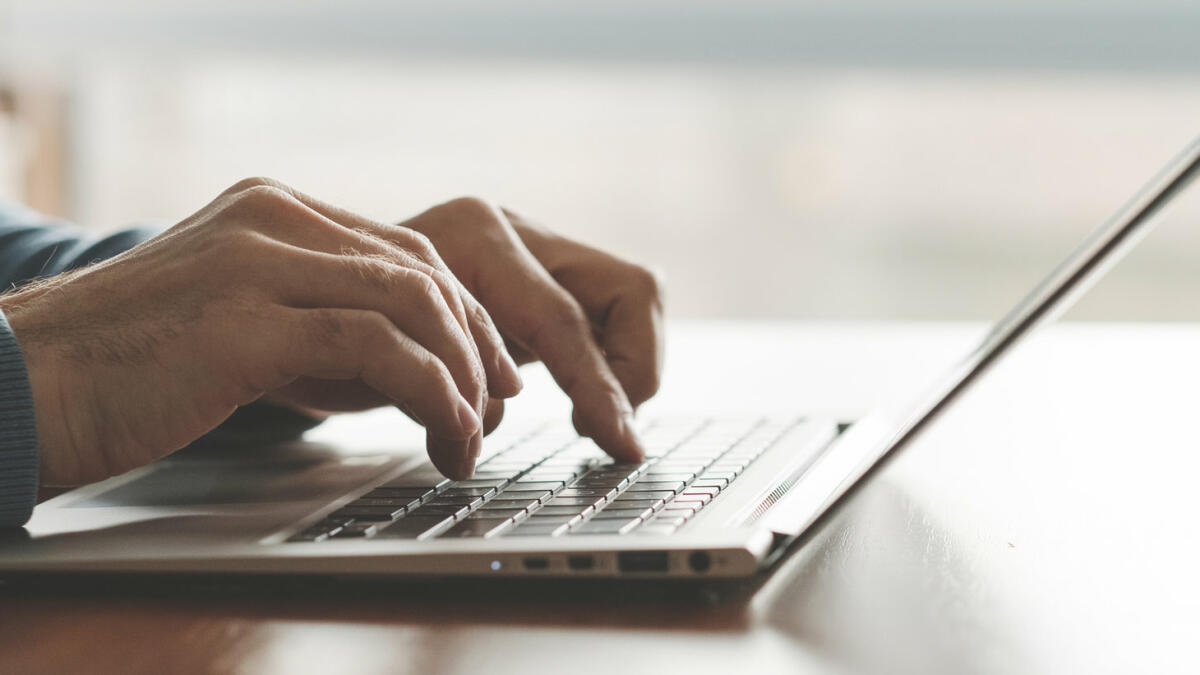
593 319
263 290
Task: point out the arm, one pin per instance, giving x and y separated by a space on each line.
267 291
32 246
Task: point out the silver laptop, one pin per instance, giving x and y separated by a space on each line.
715 498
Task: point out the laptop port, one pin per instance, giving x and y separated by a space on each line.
532 563
581 562
642 561
700 561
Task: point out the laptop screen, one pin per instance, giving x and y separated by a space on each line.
871 440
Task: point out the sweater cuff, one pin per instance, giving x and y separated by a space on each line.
18 434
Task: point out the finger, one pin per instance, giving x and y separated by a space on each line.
306 229
493 415
625 300
504 381
409 299
348 344
540 315
633 346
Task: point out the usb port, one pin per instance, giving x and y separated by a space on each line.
536 563
642 561
581 562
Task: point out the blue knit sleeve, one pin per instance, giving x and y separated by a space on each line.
18 434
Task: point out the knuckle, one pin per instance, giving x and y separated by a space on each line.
421 284
253 182
325 327
421 246
645 386
261 206
645 281
476 213
269 194
374 328
379 275
247 183
472 204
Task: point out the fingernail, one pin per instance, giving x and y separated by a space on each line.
467 467
510 370
468 420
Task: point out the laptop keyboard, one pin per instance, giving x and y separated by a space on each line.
553 483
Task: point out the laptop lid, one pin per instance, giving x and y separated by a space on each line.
872 440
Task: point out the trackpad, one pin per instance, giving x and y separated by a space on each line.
201 483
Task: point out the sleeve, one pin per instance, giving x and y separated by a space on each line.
18 434
33 246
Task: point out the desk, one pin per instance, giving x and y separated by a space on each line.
1046 524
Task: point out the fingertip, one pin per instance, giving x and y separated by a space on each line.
454 458
466 468
509 383
468 420
632 442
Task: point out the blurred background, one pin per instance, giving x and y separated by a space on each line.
808 159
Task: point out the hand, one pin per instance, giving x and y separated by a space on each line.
263 290
595 320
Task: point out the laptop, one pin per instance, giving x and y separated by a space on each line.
715 498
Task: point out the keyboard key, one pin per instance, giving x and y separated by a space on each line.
528 529
646 486
719 483
718 475
396 493
528 495
309 536
552 474
413 528
386 501
501 503
667 476
694 490
478 528
486 513
700 499
357 529
539 485
606 527
369 512
675 509
455 491
574 501
455 500
458 512
601 482
476 482
674 521
624 502
656 529
634 493
624 514
418 478
586 492
553 510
